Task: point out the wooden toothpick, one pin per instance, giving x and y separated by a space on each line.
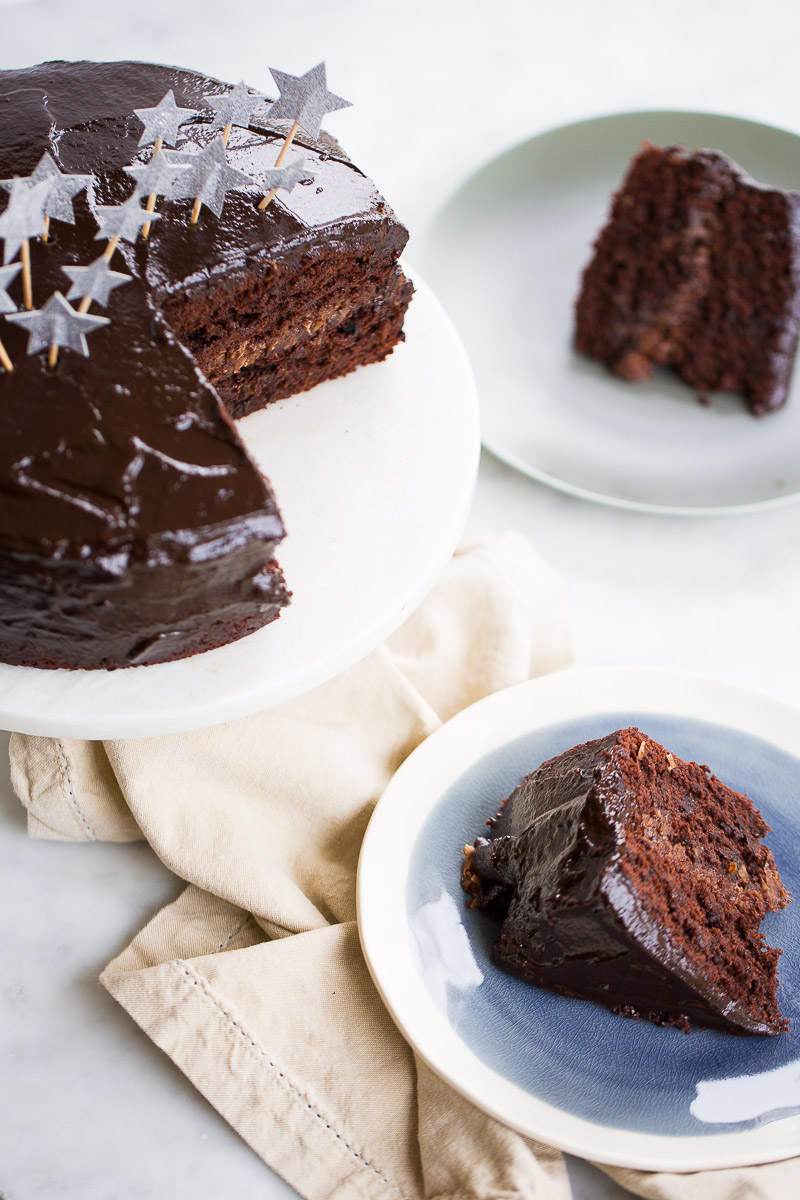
262 204
151 199
27 283
46 230
4 359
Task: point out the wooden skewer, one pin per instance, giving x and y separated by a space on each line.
46 230
4 359
151 199
226 133
195 211
84 304
27 288
279 163
52 357
108 253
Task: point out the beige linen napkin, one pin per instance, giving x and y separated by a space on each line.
253 980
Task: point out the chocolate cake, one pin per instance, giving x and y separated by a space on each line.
134 526
624 875
697 269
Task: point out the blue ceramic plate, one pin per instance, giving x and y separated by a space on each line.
568 1071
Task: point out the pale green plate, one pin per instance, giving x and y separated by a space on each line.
505 255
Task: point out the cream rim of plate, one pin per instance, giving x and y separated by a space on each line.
383 872
529 217
374 475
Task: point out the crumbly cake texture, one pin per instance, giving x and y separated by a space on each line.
698 268
624 875
134 526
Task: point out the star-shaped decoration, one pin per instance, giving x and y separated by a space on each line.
97 281
7 277
284 178
235 107
305 99
122 221
156 177
209 178
62 189
164 120
57 324
24 216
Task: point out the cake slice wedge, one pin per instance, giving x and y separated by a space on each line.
697 268
624 875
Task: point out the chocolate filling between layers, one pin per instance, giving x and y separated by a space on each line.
274 332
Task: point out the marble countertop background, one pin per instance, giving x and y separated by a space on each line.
89 1109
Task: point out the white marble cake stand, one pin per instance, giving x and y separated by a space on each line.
374 474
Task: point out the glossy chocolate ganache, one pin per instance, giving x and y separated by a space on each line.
134 527
624 875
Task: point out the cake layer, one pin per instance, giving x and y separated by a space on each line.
624 875
329 307
134 526
698 268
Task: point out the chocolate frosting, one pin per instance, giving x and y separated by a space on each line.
118 467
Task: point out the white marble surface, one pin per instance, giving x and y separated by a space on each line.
89 1110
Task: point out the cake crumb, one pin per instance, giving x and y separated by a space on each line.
731 868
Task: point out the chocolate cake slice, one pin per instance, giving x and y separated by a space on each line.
698 268
134 526
624 875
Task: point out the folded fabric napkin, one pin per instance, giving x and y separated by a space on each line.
253 981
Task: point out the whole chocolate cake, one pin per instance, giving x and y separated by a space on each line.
134 526
698 268
624 875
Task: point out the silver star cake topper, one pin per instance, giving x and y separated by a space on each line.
7 276
62 189
57 324
235 107
305 99
164 120
122 221
209 178
156 177
284 178
95 282
24 216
